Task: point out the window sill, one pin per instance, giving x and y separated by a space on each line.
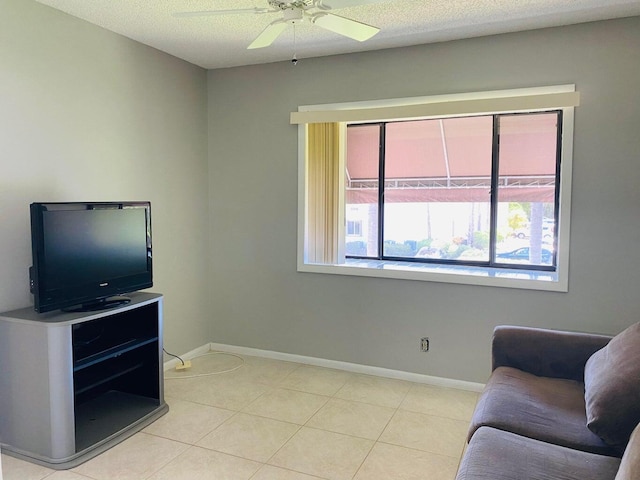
492 277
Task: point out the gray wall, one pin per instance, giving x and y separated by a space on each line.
86 114
259 300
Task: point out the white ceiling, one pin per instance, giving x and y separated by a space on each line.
220 40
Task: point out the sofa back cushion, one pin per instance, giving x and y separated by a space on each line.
612 388
630 465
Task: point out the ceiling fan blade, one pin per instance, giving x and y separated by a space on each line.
269 35
207 13
345 26
335 4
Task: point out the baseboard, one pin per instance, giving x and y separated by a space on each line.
346 366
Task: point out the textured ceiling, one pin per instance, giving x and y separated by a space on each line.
220 40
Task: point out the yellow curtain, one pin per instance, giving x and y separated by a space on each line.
323 176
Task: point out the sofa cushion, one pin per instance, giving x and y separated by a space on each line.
498 455
612 387
630 465
544 352
548 409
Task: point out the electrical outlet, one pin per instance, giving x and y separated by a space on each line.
424 344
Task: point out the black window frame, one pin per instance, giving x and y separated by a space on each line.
495 170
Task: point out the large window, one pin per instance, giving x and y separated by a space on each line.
477 190
469 188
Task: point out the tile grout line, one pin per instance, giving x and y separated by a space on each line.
377 441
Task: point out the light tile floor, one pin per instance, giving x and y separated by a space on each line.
272 420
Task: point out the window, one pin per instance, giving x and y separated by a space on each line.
475 190
354 228
469 188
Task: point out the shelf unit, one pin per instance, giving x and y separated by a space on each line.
75 384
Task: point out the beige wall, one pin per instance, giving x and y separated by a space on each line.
85 115
261 301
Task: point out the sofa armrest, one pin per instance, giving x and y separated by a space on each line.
543 352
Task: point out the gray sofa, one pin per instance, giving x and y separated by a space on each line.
558 405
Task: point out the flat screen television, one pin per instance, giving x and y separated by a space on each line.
85 255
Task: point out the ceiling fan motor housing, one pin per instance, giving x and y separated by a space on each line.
287 6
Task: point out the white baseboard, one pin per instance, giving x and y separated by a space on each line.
322 362
346 366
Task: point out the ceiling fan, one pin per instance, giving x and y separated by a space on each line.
296 11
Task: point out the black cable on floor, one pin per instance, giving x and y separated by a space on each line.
172 355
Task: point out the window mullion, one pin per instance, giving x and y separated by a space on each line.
495 175
381 187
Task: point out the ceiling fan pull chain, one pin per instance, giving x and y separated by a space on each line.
294 60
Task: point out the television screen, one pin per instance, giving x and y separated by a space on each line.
84 253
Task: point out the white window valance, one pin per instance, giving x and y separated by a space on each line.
520 100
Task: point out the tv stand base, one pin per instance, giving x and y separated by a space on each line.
89 452
102 304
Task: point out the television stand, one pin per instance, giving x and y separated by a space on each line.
74 384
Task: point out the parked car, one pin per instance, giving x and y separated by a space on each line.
522 254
